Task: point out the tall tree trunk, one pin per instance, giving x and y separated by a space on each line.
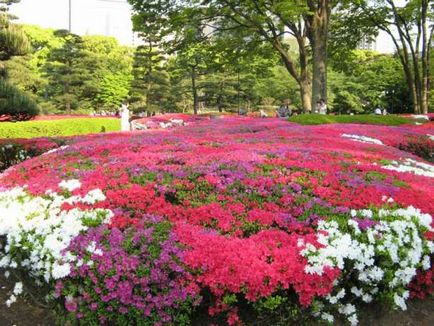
409 77
319 54
301 77
306 95
194 90
425 59
428 61
317 23
304 81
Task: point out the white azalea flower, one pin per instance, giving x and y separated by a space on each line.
45 228
70 185
363 139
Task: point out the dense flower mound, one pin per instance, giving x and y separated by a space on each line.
13 151
166 121
139 228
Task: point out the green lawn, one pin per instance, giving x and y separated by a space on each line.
53 128
317 119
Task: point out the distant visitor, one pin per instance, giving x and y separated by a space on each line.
283 111
125 117
321 107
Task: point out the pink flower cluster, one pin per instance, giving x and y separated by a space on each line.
243 197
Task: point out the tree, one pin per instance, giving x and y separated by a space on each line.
13 41
110 66
365 80
150 84
306 21
65 74
317 20
272 21
14 105
408 26
99 70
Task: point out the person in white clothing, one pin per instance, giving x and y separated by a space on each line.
125 117
321 107
263 114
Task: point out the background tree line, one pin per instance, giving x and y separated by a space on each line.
303 34
225 55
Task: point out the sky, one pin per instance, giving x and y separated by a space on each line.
103 17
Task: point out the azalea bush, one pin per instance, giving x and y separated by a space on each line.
131 276
422 146
229 215
17 150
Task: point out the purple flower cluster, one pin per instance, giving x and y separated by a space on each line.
365 223
128 276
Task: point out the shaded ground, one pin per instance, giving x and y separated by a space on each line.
25 312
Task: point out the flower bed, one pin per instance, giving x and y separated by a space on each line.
14 151
233 214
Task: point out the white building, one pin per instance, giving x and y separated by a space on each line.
102 17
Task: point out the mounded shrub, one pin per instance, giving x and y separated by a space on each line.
14 105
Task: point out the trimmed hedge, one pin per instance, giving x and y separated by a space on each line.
53 128
318 119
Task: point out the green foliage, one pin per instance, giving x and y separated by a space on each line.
114 88
408 24
365 80
317 119
15 104
110 65
13 41
275 89
150 87
53 128
66 72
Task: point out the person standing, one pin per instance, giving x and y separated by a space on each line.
321 107
125 117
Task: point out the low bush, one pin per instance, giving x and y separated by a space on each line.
17 150
421 146
318 119
125 277
53 128
14 105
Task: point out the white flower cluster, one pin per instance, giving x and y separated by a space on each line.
54 150
430 136
21 155
363 139
70 185
37 231
412 166
18 289
420 116
172 123
385 255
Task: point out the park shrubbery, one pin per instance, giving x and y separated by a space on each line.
318 119
56 128
14 104
259 219
15 151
